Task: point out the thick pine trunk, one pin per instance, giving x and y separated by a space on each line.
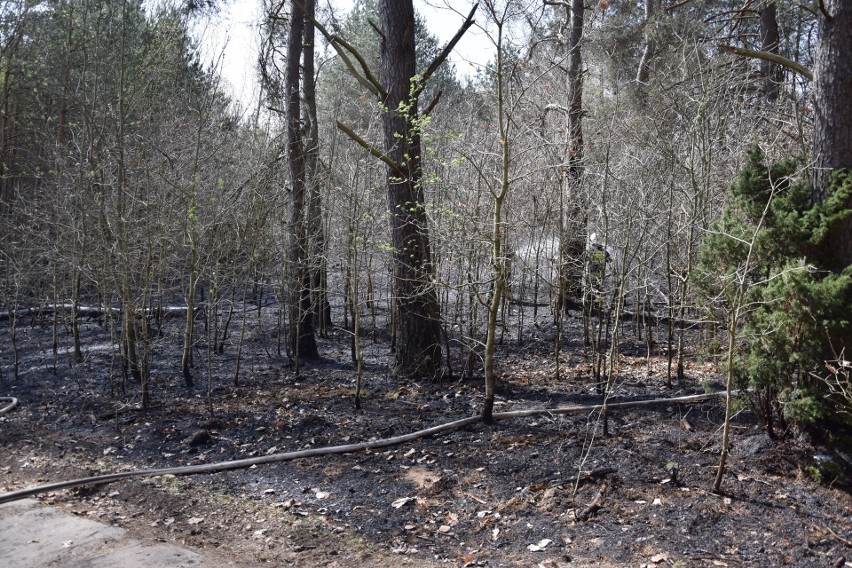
832 117
321 308
772 73
573 238
418 349
302 338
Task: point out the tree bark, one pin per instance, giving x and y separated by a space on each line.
186 357
772 73
832 117
302 338
573 237
643 73
321 308
418 348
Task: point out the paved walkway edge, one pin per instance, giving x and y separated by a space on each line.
33 535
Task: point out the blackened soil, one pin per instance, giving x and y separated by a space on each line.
511 494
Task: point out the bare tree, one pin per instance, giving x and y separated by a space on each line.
398 88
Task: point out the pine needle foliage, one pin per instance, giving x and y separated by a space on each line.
796 313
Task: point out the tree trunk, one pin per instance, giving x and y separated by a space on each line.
302 338
573 238
499 262
643 73
186 357
418 348
321 307
832 119
772 73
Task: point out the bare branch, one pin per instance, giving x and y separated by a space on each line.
824 10
432 105
556 107
375 28
371 149
376 87
677 5
772 58
448 48
366 77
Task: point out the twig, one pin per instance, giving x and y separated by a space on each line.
477 499
595 505
845 541
677 5
594 475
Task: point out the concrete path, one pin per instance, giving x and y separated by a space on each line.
33 535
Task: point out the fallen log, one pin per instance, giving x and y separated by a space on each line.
341 449
92 312
82 311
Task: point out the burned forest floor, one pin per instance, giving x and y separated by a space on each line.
550 490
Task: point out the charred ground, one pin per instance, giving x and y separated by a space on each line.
502 495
